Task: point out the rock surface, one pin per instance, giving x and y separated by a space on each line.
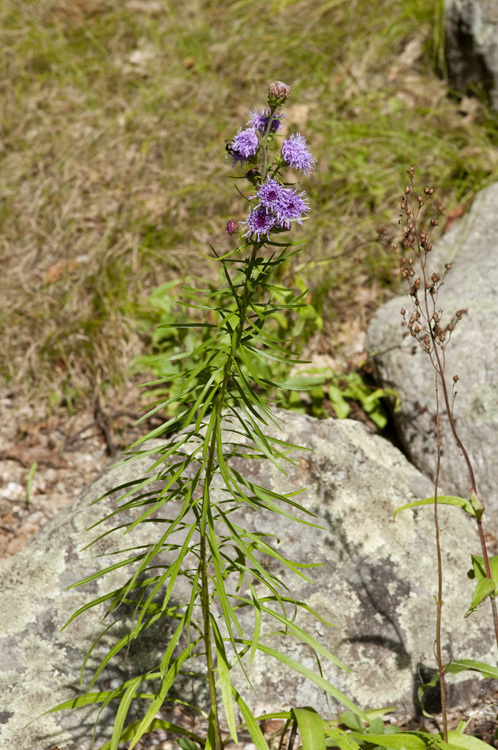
471 28
376 584
472 354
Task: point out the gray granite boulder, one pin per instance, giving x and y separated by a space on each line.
376 584
472 354
471 44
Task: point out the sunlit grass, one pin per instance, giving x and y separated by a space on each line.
113 118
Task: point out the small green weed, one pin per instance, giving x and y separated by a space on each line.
311 389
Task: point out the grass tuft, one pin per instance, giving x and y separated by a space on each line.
113 117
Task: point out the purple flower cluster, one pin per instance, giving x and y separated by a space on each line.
278 206
244 145
259 121
259 222
274 206
296 154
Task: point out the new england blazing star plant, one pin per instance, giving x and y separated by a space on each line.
195 484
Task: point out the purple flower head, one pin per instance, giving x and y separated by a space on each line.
259 222
244 145
296 154
292 207
259 121
272 195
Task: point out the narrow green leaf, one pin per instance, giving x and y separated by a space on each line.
310 728
257 622
168 680
341 739
305 637
225 683
461 665
460 502
251 723
122 713
129 732
312 676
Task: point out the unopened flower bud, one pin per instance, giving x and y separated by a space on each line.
455 378
277 93
232 226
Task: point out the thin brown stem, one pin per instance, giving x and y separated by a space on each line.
439 600
292 736
439 366
473 487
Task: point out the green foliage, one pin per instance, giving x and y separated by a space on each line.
459 502
218 418
485 586
118 126
177 345
205 572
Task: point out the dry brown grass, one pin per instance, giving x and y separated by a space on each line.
113 120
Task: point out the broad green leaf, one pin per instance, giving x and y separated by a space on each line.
466 742
376 726
454 667
351 720
460 502
479 569
485 587
310 728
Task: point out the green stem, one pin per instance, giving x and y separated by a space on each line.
263 143
206 506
